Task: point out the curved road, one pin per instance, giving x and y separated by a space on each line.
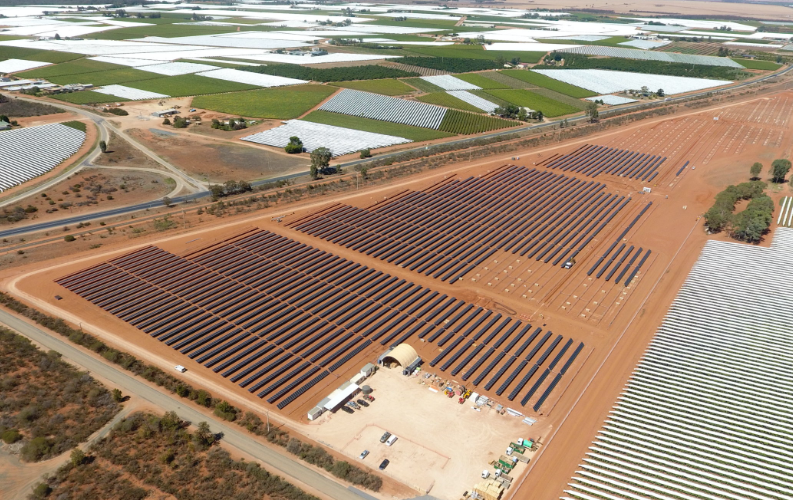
232 435
200 194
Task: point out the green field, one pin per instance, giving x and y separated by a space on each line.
7 52
163 30
528 99
556 96
754 64
482 81
282 103
448 101
459 122
376 126
423 85
75 125
507 81
77 67
613 41
474 52
184 85
548 83
98 78
87 97
387 86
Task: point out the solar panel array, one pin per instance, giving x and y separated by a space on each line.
277 316
707 412
449 229
390 109
592 161
28 152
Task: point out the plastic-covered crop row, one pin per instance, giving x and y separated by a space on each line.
390 109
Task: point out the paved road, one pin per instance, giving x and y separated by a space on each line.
231 435
181 199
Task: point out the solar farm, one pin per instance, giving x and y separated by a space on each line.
30 152
227 307
511 289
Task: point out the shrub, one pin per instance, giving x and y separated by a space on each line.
11 436
68 237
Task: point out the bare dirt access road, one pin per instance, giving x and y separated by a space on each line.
291 470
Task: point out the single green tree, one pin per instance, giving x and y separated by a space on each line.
779 169
366 153
295 145
320 159
117 396
103 146
217 191
166 201
592 111
755 170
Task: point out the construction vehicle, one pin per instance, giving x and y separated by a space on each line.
517 447
461 400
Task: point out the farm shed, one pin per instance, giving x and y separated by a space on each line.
404 355
165 112
337 397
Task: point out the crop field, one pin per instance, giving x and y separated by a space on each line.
697 48
448 101
163 30
422 85
378 107
755 64
608 82
78 67
87 97
649 55
506 82
386 86
8 52
482 81
529 99
556 96
339 140
416 134
186 85
99 78
281 103
540 80
688 389
476 52
460 122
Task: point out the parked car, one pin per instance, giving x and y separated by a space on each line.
384 464
361 402
347 409
180 368
391 440
363 454
369 397
385 437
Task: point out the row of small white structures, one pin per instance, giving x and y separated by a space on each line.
707 413
29 152
785 217
339 140
390 109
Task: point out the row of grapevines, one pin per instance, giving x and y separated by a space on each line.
460 122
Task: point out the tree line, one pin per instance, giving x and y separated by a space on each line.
343 74
453 64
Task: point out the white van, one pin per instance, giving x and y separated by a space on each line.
391 440
180 368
